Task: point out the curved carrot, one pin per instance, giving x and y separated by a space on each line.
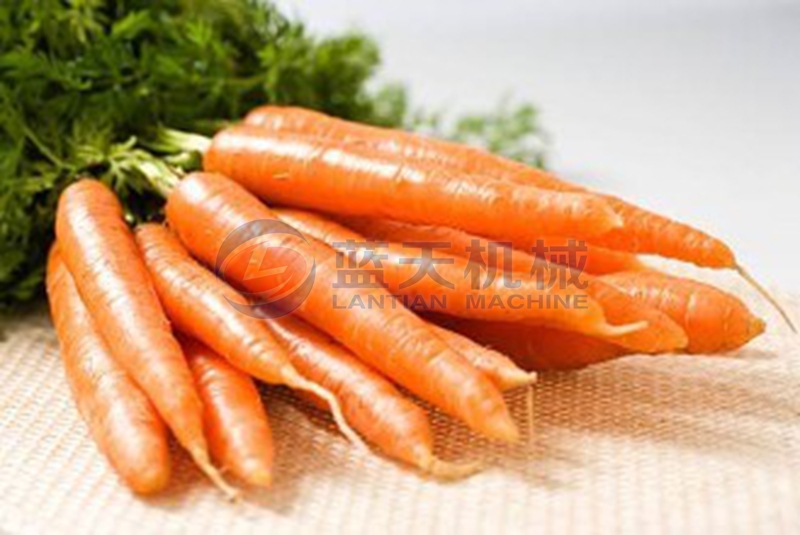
460 298
293 170
595 260
538 348
235 421
123 422
99 250
371 404
714 320
199 304
204 209
642 231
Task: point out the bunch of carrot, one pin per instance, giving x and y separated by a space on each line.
155 343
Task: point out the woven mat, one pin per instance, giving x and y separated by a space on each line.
669 444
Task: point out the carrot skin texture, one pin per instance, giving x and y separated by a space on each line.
291 169
99 250
205 208
715 321
195 301
236 423
537 348
495 365
642 231
200 305
597 260
122 421
605 306
371 404
501 370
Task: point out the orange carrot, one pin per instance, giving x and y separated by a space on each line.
204 209
235 421
595 260
99 250
293 170
123 422
714 320
642 231
499 368
537 348
371 404
512 307
199 304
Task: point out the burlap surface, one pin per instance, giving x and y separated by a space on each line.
641 445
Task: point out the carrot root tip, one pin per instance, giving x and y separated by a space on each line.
204 463
516 378
294 380
614 331
766 295
446 470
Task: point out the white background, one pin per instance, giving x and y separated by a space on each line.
691 108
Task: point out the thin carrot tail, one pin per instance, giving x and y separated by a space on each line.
293 379
766 295
202 460
529 414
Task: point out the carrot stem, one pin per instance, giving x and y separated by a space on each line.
171 140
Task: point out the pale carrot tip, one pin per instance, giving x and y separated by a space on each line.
501 428
259 476
766 295
757 327
614 331
150 480
515 378
445 470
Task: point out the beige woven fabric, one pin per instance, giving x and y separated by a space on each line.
641 445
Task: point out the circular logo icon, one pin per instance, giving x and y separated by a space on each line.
261 259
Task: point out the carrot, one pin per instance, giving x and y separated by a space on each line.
204 209
371 404
235 421
662 334
714 320
123 422
499 368
199 304
461 298
537 348
99 250
594 260
294 169
642 231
